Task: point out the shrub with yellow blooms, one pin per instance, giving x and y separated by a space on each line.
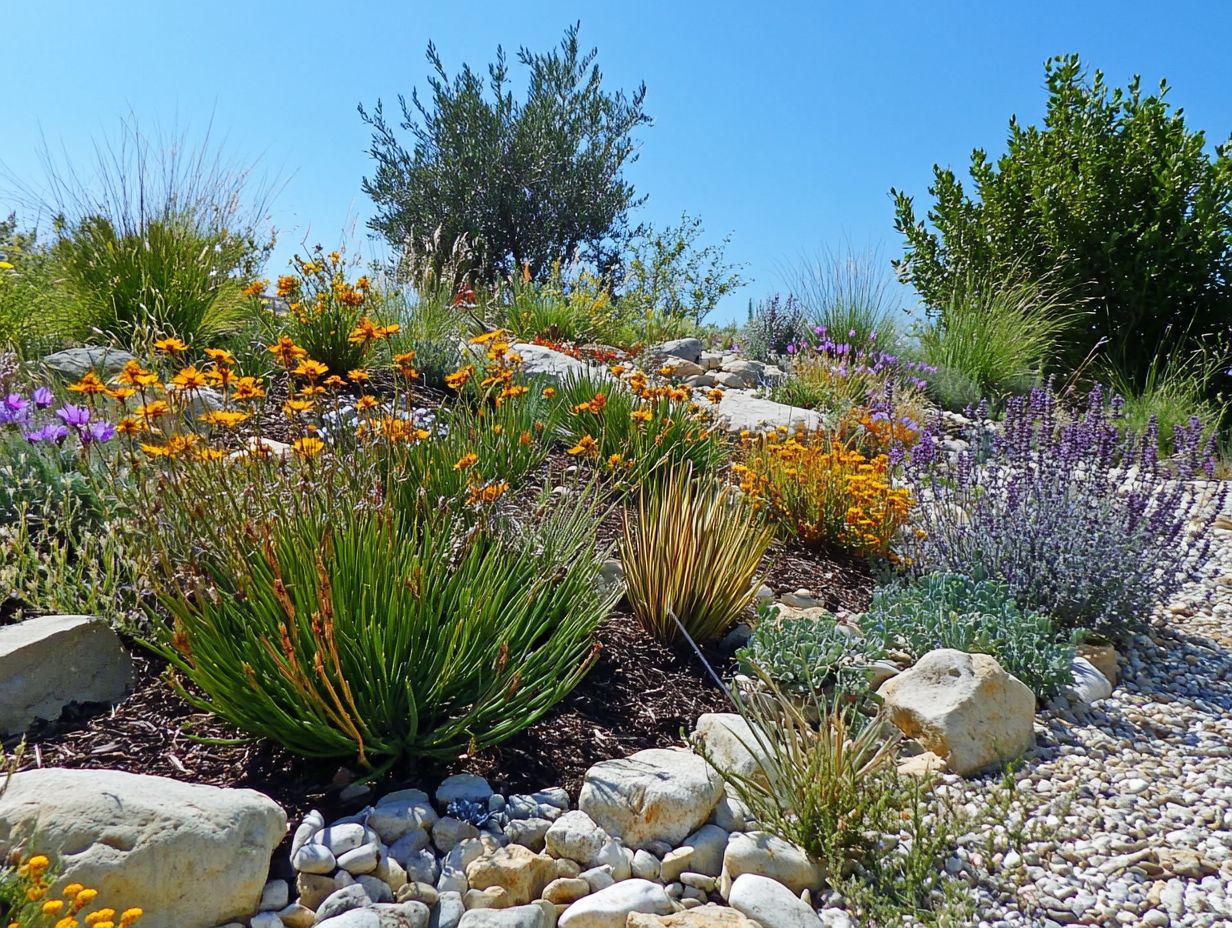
28 900
823 492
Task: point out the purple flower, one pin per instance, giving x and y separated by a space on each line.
43 397
15 404
76 416
98 432
51 433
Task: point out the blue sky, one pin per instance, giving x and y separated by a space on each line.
783 123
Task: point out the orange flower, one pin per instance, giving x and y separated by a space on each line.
358 375
642 415
549 392
457 380
586 447
466 461
294 408
220 356
488 493
89 384
152 410
129 426
225 418
310 369
287 285
286 351
367 401
365 331
256 288
188 379
247 388
333 381
120 394
136 376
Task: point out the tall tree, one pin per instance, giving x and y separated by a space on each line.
523 183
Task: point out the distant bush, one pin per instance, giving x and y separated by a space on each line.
976 616
1077 516
773 325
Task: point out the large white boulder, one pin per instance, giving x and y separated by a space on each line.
75 363
963 707
771 904
50 661
730 743
556 366
191 856
661 794
610 907
744 412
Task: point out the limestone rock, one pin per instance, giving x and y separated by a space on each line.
1103 657
765 855
770 903
519 916
703 916
963 707
729 742
608 908
741 412
690 349
519 871
654 795
555 366
576 836
48 662
74 363
149 841
1089 686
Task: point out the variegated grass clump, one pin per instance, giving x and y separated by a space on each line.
693 553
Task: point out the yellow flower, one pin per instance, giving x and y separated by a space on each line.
308 446
312 389
52 906
170 346
614 461
641 415
220 356
129 916
67 922
586 447
247 388
310 369
617 370
256 288
358 375
152 410
367 401
134 375
89 384
84 898
549 392
458 378
38 863
72 889
294 407
365 331
226 418
101 915
466 461
286 285
333 381
120 394
188 379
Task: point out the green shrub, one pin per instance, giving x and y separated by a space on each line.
155 242
772 326
1113 200
1177 389
692 554
27 279
996 334
809 654
976 616
574 308
385 635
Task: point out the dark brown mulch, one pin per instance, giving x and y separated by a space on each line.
841 581
638 695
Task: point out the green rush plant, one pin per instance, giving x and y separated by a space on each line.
693 553
385 635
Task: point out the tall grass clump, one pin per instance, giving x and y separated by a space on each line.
154 241
1176 388
850 293
992 337
692 553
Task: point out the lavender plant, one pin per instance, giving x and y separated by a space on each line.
1078 515
773 326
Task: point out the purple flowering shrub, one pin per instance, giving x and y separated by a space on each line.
45 452
839 376
772 327
1078 515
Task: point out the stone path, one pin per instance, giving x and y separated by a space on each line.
1123 816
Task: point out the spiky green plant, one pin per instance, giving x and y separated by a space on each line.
384 635
693 553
